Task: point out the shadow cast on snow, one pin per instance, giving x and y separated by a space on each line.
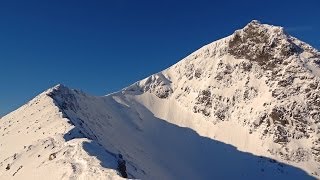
184 154
188 155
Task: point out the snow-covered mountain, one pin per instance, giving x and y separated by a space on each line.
246 106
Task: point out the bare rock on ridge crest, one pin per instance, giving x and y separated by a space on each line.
265 44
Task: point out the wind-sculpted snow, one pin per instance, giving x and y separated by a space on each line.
243 107
157 84
37 142
260 78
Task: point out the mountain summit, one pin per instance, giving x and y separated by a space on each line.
245 106
265 44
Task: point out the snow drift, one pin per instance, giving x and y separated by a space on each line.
246 106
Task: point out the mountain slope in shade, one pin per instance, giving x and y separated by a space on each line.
246 106
78 136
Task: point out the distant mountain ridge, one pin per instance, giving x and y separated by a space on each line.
245 106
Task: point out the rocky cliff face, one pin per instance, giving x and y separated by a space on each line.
255 91
260 77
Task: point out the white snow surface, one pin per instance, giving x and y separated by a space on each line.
34 144
249 111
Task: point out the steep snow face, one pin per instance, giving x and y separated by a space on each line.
80 135
34 144
258 89
66 134
246 106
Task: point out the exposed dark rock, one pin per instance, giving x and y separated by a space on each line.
246 66
278 115
197 73
281 135
122 166
203 103
286 82
255 43
52 156
8 167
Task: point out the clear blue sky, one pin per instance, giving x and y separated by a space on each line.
102 46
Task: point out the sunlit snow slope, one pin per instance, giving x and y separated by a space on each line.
246 106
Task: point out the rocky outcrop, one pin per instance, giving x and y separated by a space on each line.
266 45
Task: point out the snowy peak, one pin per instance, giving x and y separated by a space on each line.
64 97
259 79
157 83
266 44
58 89
257 90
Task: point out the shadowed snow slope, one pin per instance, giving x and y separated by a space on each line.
246 106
